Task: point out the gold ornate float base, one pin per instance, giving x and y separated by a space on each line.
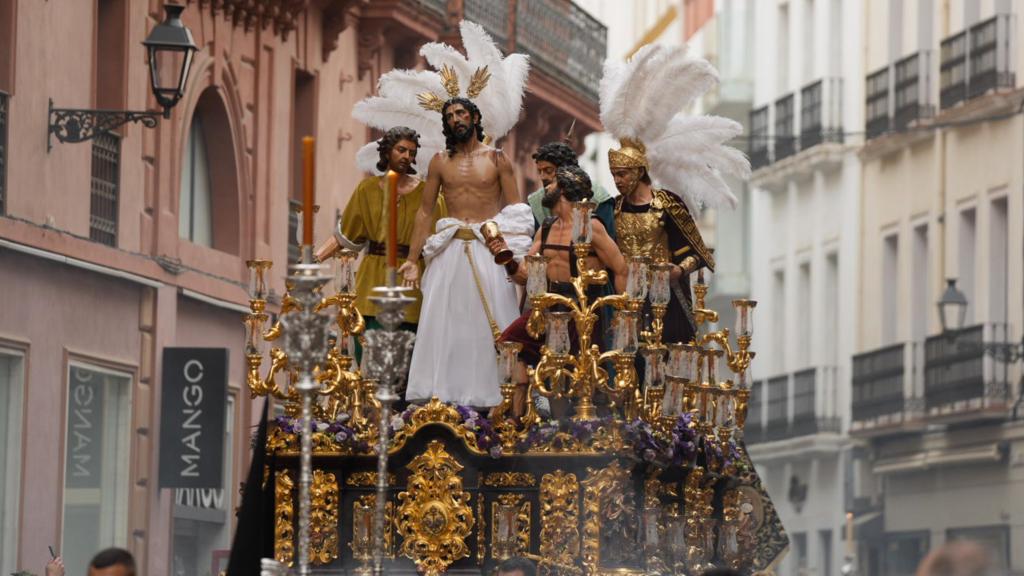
453 509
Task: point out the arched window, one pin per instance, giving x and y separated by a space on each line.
209 209
194 205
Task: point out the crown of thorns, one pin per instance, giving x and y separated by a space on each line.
450 81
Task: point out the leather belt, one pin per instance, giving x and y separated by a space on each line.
381 249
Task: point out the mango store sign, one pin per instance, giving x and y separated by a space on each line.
192 410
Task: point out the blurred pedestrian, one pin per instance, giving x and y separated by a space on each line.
958 558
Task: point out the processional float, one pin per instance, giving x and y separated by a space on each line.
649 476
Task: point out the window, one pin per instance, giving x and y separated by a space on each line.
890 289
809 52
825 552
194 207
998 260
202 517
831 320
966 256
96 460
104 188
779 322
11 383
804 331
782 56
921 303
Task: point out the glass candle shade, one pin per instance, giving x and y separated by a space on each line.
508 353
636 277
625 334
582 227
651 521
362 528
725 414
257 278
536 275
691 363
660 290
345 277
558 332
254 342
712 357
677 358
744 317
654 367
672 402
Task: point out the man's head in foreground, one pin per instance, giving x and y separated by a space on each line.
112 562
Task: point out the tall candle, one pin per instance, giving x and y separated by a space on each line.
307 190
392 219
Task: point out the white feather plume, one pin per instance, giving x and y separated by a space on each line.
397 102
645 99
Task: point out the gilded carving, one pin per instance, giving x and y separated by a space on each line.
366 479
363 516
509 479
510 526
434 516
435 412
559 519
610 518
284 515
323 517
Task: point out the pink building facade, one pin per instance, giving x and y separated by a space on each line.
115 248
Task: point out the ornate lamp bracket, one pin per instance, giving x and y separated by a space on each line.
81 124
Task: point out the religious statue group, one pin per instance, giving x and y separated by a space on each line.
438 129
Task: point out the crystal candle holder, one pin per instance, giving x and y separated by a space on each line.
345 278
625 332
677 357
254 342
582 227
660 290
536 275
744 317
654 367
257 278
508 353
636 277
558 332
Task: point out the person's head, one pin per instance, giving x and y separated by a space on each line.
397 149
958 558
517 566
628 165
461 120
112 562
552 156
571 184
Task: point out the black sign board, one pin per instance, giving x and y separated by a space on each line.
192 413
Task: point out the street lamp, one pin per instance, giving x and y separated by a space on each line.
170 48
952 308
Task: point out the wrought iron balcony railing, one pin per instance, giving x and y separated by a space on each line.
991 55
821 112
563 40
492 15
878 383
809 395
785 135
959 378
438 7
877 103
758 147
977 60
912 89
104 189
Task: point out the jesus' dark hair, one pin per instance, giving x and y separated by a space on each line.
450 141
388 141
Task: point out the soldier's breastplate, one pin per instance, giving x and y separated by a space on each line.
642 234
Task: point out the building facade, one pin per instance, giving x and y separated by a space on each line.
115 248
939 419
804 260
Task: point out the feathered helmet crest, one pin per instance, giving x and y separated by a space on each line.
413 98
642 103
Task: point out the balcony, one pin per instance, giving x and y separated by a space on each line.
563 40
912 90
759 139
492 15
794 405
884 387
977 60
785 139
877 103
821 112
960 382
